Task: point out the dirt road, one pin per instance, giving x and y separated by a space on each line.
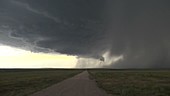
79 85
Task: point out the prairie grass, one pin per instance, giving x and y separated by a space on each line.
25 82
133 82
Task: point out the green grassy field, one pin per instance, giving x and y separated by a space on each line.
25 82
116 82
133 82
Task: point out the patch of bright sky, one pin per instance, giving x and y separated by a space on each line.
11 57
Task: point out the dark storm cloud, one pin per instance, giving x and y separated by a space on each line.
136 29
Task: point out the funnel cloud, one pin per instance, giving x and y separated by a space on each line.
120 33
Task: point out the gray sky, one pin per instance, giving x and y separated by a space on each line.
136 30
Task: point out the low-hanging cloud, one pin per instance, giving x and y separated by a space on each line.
43 13
128 34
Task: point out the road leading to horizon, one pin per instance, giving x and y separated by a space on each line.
79 85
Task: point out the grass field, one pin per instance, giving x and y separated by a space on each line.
116 82
133 82
25 82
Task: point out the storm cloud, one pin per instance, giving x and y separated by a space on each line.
127 33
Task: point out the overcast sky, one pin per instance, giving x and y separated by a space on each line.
122 33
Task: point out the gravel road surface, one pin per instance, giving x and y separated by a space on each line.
79 85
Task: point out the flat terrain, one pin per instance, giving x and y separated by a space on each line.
25 82
79 85
115 82
133 82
